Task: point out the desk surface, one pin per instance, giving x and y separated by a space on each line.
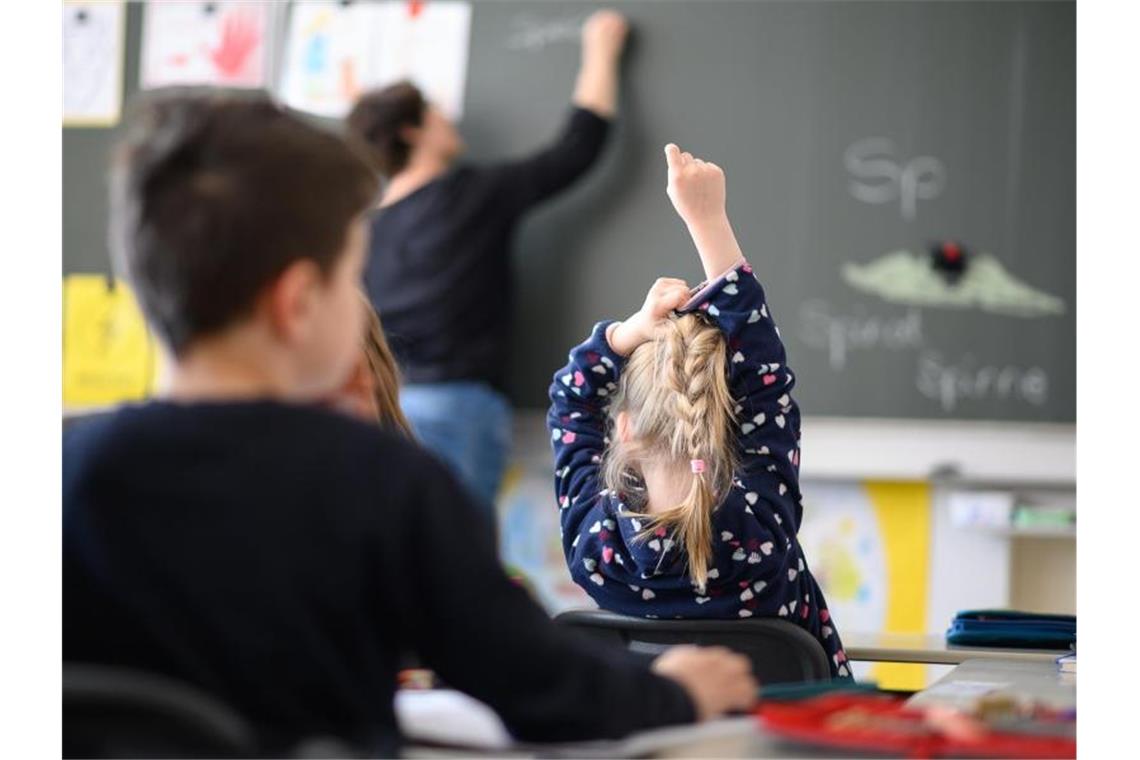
731 738
1040 681
744 737
1027 679
932 649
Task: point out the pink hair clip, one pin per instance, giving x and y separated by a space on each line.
698 465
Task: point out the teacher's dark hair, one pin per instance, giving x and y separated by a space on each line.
378 119
214 194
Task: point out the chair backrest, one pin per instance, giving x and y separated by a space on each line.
117 712
781 652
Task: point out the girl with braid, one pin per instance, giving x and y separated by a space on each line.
676 445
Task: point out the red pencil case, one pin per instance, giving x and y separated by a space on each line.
883 724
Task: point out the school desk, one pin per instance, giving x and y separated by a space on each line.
1025 679
745 737
932 649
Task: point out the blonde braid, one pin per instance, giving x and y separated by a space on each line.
676 393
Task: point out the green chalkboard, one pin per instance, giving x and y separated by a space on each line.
853 134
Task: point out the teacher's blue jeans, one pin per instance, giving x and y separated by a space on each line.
467 424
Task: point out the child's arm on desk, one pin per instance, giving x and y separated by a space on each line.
485 636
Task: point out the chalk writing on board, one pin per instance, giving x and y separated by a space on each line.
908 278
953 383
534 34
842 334
878 176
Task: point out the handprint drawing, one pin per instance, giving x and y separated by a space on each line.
240 37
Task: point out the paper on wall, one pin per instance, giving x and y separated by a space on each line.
206 43
92 63
326 59
427 44
108 354
336 52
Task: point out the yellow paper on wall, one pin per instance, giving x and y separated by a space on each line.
108 354
903 509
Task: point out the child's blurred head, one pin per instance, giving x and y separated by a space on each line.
230 214
396 122
372 391
673 409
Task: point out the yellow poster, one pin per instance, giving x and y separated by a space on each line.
108 354
869 547
903 509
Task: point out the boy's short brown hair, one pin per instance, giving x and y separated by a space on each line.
378 118
214 194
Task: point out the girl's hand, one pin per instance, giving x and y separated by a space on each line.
697 190
696 187
666 295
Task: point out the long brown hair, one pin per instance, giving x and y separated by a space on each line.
385 373
675 390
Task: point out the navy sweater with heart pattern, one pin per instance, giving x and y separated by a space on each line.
758 568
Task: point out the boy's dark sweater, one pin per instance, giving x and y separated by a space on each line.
282 557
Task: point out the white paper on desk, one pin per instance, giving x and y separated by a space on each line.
92 63
444 716
207 43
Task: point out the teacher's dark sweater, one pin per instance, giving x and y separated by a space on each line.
440 273
282 557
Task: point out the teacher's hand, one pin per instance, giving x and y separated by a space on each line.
604 35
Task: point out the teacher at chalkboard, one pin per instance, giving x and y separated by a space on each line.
440 265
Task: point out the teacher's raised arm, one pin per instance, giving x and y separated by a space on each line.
440 273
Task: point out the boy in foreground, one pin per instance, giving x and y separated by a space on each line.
242 538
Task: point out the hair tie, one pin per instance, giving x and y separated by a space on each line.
698 465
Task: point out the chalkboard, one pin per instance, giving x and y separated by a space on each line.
853 135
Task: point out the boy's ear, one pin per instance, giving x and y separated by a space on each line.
291 299
410 134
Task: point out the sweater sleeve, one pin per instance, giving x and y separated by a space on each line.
534 178
767 417
579 397
485 636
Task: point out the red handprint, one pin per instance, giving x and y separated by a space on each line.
240 35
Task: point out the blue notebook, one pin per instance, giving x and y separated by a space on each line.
1010 628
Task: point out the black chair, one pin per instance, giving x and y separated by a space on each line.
116 712
781 652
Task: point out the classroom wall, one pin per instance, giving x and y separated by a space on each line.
1044 575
